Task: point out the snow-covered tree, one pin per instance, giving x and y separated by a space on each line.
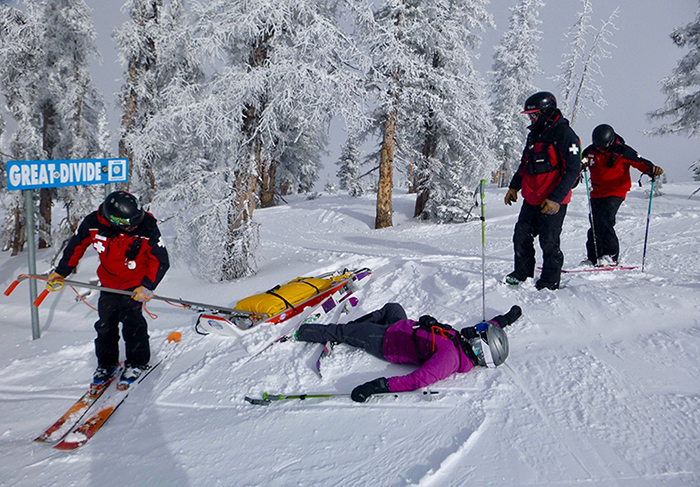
349 167
299 163
151 49
278 69
682 88
582 64
432 104
20 72
79 109
49 93
515 64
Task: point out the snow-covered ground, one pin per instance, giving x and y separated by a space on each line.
601 388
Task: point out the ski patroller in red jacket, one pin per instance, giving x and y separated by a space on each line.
550 165
443 357
127 260
610 169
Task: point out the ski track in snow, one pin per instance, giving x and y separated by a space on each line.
601 387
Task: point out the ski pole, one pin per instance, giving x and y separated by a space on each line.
483 251
646 232
267 398
186 304
590 214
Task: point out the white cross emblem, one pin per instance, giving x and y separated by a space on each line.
573 149
99 247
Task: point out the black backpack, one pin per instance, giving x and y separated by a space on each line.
431 325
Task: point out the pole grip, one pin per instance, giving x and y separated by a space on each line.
12 287
41 297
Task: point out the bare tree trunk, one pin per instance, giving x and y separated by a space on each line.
386 173
267 191
239 239
137 66
19 232
45 205
423 177
46 194
412 182
129 117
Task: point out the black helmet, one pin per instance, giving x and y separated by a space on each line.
603 136
542 101
123 211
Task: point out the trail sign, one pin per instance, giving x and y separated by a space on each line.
30 175
68 172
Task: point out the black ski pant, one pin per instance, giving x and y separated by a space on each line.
532 223
114 309
366 332
604 211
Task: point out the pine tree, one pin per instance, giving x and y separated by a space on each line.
281 67
349 168
514 68
79 107
431 102
20 71
139 97
682 88
49 93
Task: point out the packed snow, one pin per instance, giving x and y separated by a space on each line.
601 387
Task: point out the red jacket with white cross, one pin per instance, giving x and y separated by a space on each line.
127 260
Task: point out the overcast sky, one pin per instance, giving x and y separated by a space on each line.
643 55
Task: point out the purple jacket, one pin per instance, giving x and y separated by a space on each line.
399 348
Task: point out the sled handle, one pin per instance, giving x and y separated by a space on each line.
11 288
41 297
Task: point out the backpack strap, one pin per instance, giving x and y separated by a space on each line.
431 325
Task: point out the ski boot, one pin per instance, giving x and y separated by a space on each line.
130 375
102 376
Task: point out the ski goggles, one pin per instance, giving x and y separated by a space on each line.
123 223
484 356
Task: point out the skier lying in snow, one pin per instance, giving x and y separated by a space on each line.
438 349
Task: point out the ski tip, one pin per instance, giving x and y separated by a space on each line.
68 445
174 336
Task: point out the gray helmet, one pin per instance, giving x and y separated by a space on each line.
494 345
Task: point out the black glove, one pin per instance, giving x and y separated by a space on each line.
427 321
376 386
509 318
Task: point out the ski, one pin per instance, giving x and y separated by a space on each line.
325 352
75 413
87 429
336 303
267 398
328 346
599 269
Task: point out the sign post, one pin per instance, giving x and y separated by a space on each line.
27 176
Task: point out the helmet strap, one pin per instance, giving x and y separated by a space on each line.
488 358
